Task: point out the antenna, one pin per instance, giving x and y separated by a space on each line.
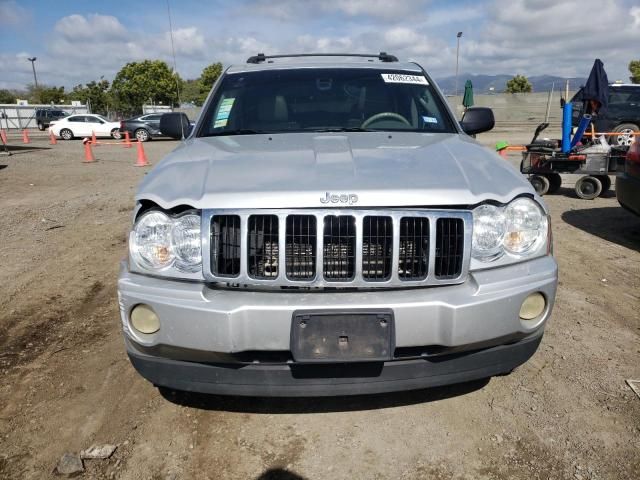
175 65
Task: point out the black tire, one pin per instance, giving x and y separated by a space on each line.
625 139
41 126
555 182
115 133
605 180
588 187
540 184
66 134
142 135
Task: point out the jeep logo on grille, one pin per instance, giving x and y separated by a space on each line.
348 198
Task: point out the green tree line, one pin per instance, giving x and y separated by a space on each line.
136 84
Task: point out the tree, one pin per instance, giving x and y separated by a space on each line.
95 94
44 94
519 84
196 91
138 83
6 96
634 68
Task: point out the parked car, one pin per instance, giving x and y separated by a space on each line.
621 115
44 116
84 126
143 127
329 228
628 180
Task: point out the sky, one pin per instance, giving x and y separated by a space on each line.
79 41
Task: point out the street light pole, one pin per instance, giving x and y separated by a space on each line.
33 66
457 58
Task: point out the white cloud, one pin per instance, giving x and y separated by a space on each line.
12 14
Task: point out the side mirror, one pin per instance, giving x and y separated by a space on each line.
175 125
477 120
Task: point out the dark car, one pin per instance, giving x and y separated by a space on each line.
621 115
628 180
142 128
44 116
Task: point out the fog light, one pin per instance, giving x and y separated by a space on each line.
533 306
144 319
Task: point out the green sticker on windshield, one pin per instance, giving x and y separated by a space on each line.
223 112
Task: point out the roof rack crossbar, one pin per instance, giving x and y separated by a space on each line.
382 56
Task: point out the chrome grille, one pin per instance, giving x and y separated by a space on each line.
337 247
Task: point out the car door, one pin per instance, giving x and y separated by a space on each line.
97 125
153 121
78 126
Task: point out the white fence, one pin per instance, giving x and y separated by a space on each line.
19 117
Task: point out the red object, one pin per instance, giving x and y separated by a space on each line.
93 138
52 138
503 153
3 135
88 152
127 139
633 154
25 136
142 157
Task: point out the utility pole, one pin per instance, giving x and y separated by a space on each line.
33 66
457 58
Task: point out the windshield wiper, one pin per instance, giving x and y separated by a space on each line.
341 129
239 131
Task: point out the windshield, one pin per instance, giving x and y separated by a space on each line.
326 99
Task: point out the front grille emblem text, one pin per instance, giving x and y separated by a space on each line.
348 198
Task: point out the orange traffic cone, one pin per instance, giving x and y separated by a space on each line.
3 136
25 136
88 152
142 157
52 138
93 138
127 140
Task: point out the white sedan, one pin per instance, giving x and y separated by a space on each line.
84 126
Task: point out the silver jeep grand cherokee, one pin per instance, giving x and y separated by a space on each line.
329 228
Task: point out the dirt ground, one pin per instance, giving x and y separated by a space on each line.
66 383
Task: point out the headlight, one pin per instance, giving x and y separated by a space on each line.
187 243
526 226
488 232
166 245
507 234
151 241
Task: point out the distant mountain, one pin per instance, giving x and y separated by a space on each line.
484 83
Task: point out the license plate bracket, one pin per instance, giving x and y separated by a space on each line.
329 336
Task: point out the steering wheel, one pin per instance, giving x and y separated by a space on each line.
378 116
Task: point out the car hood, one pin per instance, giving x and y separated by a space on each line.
363 169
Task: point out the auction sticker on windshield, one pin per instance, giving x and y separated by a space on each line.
402 78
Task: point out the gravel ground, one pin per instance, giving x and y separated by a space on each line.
66 383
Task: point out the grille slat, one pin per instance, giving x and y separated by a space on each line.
414 248
449 247
340 247
263 248
225 245
300 247
377 249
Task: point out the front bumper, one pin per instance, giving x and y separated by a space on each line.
203 328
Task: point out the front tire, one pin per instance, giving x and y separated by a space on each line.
41 126
626 136
540 184
115 133
66 134
588 187
555 182
142 135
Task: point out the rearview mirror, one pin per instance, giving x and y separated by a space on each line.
175 125
477 120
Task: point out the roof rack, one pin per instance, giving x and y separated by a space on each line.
382 56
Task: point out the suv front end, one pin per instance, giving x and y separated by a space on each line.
333 260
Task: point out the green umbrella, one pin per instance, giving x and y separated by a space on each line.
467 99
